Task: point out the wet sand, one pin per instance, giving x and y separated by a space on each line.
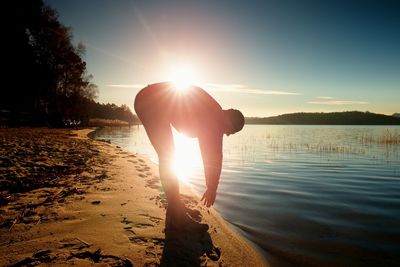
66 200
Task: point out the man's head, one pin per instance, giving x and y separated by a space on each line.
234 121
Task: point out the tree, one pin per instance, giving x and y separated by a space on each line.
47 73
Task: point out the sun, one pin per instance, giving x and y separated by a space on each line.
182 75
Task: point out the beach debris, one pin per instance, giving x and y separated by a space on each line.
17 218
83 242
96 202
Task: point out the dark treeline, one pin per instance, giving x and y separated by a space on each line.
47 81
112 112
333 118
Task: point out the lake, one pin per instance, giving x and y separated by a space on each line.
306 195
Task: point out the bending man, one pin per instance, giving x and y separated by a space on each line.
193 112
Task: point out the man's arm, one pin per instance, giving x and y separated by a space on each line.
211 152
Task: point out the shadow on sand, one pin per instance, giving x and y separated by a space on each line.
190 246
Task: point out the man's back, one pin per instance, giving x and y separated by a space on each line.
191 110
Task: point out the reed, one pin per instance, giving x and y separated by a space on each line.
105 122
388 137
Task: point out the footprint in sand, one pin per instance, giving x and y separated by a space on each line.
141 169
129 230
189 201
143 225
160 200
136 225
214 253
154 251
153 183
98 257
154 246
137 240
154 219
70 252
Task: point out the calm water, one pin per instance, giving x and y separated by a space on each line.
306 195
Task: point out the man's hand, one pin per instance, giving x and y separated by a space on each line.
209 197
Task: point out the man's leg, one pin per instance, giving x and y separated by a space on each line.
156 123
161 138
160 135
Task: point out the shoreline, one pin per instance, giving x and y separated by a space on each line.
110 211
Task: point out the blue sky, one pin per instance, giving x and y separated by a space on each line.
262 57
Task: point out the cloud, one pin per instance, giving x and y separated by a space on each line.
338 102
325 97
135 86
218 87
244 89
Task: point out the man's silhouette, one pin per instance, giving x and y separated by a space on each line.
193 112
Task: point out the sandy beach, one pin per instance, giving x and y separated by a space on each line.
66 199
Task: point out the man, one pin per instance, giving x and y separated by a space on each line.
193 112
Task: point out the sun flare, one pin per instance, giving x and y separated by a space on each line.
183 76
187 156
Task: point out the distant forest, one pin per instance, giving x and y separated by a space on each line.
333 118
46 76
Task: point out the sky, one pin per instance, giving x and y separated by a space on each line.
264 58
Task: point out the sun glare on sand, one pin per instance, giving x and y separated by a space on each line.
182 76
187 156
